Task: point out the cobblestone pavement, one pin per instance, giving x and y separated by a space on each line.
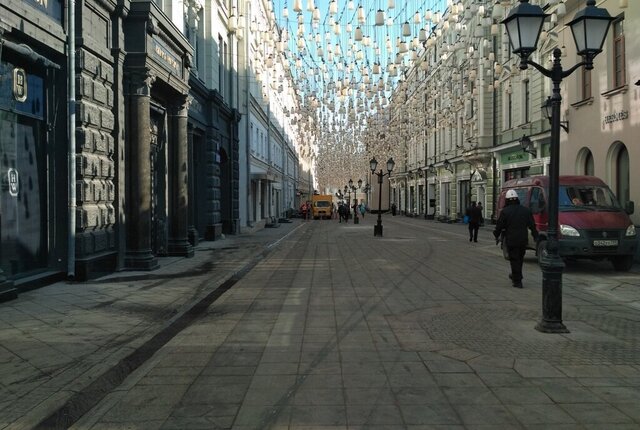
329 328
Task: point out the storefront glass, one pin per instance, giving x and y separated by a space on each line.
23 173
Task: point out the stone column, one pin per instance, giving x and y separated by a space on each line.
138 221
179 180
259 200
192 232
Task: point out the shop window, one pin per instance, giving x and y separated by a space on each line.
516 173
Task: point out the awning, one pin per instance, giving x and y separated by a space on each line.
29 54
260 174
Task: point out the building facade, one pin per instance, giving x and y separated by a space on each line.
472 105
150 159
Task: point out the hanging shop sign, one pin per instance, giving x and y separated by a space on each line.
14 183
19 85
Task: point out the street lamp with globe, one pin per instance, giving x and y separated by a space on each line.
589 28
373 165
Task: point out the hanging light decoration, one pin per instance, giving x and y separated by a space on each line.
333 7
379 17
361 16
297 6
406 29
357 36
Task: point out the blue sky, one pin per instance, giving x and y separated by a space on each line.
323 34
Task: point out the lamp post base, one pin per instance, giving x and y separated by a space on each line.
551 322
377 230
551 327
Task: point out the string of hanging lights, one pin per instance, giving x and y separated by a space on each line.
375 77
346 65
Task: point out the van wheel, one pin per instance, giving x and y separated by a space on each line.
541 248
622 263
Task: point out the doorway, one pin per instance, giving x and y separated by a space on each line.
159 214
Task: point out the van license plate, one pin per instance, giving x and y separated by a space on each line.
605 243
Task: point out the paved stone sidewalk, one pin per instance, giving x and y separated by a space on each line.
419 329
58 340
332 329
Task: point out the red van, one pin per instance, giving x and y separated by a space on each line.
592 223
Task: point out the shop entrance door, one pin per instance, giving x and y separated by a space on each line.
23 193
159 215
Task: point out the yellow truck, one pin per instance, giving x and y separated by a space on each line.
321 206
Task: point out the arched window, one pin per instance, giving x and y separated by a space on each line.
584 162
588 164
622 175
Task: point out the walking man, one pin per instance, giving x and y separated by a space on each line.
514 220
475 218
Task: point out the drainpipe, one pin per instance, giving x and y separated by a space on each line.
71 46
495 138
251 199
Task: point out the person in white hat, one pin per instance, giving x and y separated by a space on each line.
514 220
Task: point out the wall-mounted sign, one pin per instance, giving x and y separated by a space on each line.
53 8
19 85
166 56
14 182
615 117
514 157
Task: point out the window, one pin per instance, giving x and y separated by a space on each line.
619 71
622 176
221 66
537 200
527 100
588 164
585 88
508 110
516 173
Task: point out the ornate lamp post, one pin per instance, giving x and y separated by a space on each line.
589 28
373 165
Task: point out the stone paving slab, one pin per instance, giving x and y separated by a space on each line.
419 329
56 340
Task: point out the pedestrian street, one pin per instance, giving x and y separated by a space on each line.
336 328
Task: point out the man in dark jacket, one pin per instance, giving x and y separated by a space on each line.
475 218
514 220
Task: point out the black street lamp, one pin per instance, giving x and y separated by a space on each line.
589 28
373 165
527 145
347 190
